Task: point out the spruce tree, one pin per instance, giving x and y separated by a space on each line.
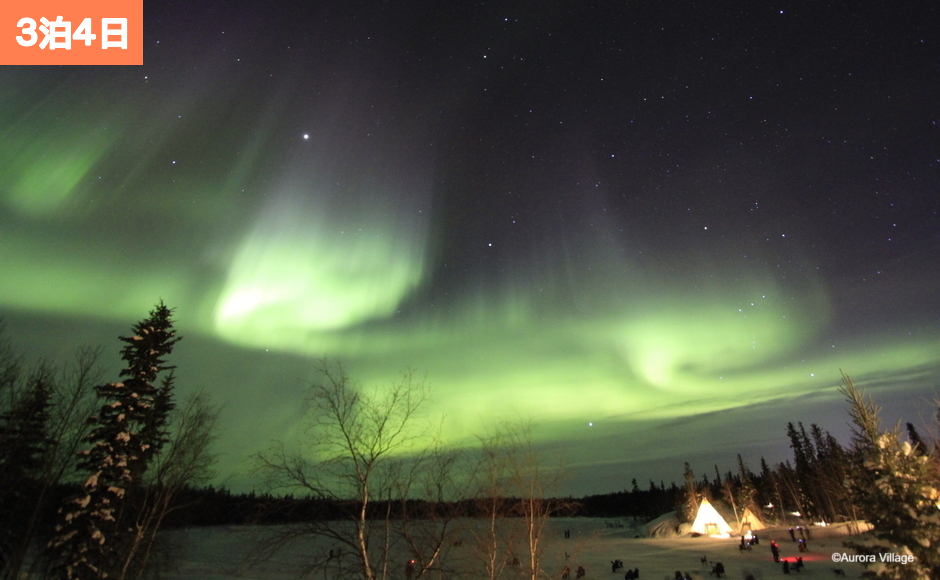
128 431
898 490
689 505
747 493
24 446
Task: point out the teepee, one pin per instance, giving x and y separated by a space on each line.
750 522
709 522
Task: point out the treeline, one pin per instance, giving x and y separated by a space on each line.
645 504
214 506
811 485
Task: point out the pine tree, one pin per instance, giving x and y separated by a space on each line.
898 490
129 429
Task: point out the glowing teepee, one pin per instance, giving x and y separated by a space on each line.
709 522
750 522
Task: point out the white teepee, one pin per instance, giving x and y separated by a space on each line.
750 522
709 522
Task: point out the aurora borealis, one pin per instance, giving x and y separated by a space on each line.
659 230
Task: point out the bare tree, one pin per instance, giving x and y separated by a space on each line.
515 480
535 483
73 402
427 511
492 542
186 461
360 454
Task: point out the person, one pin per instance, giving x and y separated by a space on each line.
678 575
792 535
580 573
775 551
755 540
718 570
409 569
802 545
565 572
798 566
629 575
743 546
786 566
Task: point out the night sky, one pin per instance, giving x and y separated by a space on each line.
657 229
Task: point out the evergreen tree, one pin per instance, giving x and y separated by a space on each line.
689 506
832 497
803 460
765 485
129 429
898 490
24 445
747 493
916 441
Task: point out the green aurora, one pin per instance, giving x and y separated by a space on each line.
637 315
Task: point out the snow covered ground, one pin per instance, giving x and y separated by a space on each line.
220 552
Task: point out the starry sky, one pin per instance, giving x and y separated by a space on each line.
657 229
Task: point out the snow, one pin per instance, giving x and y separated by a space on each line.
215 553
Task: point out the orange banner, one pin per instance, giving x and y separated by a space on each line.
72 32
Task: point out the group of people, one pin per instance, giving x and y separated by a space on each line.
566 572
804 533
748 541
797 566
629 575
